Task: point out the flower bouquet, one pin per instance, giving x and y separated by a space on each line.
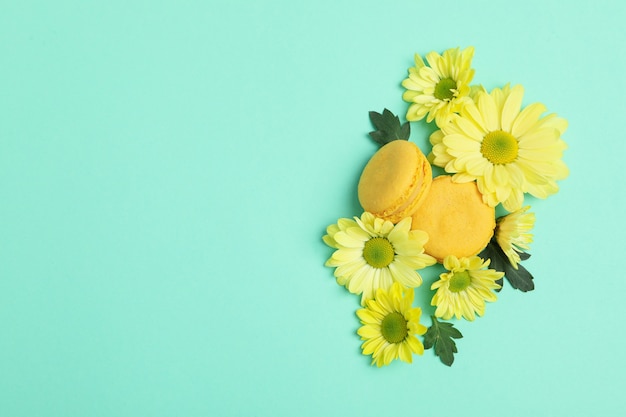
493 151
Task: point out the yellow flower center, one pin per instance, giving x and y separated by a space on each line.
378 252
394 327
499 147
443 89
460 281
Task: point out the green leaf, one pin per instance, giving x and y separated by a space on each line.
440 335
388 127
519 278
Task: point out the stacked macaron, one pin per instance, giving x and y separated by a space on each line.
397 183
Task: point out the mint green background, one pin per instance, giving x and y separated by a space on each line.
167 170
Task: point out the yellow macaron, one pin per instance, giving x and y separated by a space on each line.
456 219
395 181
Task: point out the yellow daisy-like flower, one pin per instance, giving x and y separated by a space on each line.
508 151
462 292
374 253
441 88
513 233
390 326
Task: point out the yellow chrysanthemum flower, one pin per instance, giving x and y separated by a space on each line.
390 326
441 88
507 151
374 253
513 233
462 292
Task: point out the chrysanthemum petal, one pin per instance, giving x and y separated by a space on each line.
357 233
499 96
463 177
400 230
344 239
469 129
373 345
476 166
460 143
418 261
368 332
346 255
405 275
405 353
348 268
511 107
489 112
330 241
527 118
415 345
370 316
500 175
359 280
514 201
472 113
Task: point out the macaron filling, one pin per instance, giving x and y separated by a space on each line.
410 203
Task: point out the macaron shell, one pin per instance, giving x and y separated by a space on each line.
395 181
456 219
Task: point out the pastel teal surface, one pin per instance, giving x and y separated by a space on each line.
167 170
